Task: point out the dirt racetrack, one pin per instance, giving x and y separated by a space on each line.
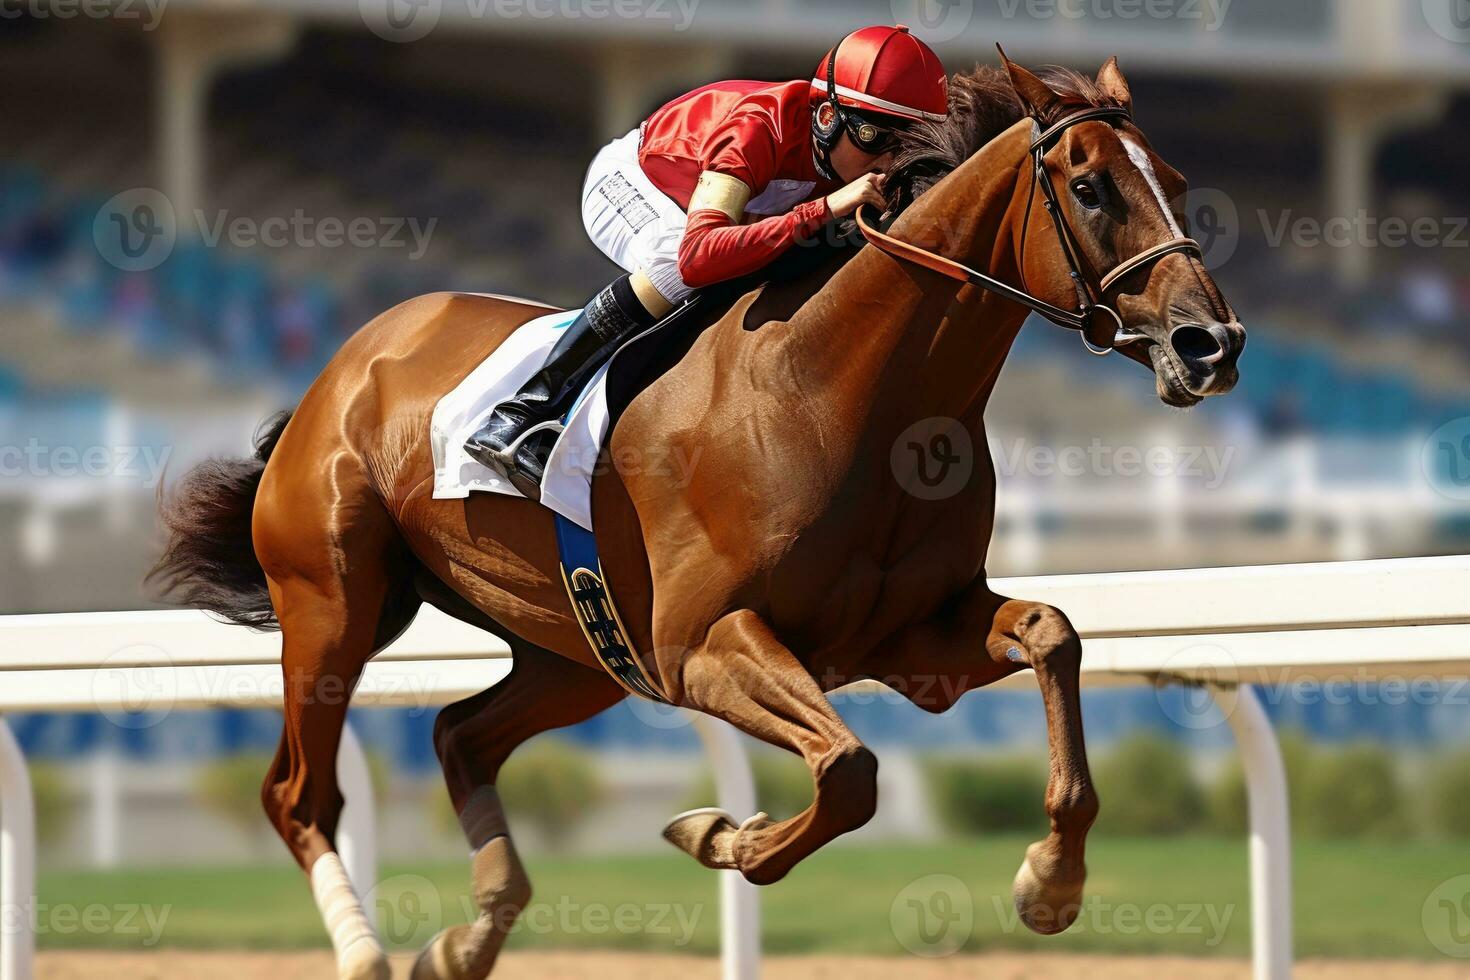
171 965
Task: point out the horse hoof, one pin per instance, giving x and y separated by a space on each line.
435 962
707 835
1047 908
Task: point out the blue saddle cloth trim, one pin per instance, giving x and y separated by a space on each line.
592 603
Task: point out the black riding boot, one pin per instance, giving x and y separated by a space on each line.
518 436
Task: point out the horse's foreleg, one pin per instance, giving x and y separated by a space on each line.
1048 888
935 661
473 738
743 674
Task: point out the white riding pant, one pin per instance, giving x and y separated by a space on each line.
635 224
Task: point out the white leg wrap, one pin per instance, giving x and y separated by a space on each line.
353 937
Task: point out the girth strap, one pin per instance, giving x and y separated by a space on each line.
596 612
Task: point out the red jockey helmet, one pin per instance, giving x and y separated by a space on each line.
885 70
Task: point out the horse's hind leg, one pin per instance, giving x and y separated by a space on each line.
334 614
743 674
473 738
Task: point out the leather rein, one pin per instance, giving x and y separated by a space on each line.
1093 312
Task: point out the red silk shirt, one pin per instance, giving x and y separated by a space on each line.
758 133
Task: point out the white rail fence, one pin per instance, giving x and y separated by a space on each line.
1217 629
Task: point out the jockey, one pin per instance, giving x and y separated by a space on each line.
714 186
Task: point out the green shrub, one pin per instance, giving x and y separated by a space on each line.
1148 788
1449 796
53 803
1353 792
552 785
1228 812
783 786
230 788
989 796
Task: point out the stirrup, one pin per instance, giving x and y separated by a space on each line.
504 460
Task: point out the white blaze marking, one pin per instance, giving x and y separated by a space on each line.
1140 159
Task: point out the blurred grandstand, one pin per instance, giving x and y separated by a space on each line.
479 133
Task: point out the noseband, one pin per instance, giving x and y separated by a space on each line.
1093 315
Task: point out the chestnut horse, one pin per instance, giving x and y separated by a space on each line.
793 557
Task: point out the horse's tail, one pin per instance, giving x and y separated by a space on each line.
209 562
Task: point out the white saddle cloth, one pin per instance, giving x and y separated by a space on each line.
567 488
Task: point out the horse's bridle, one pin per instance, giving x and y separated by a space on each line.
1093 312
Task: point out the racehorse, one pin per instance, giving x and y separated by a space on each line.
790 557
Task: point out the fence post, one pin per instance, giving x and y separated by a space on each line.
740 911
1270 829
357 835
17 862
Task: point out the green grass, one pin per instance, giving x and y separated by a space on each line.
1186 896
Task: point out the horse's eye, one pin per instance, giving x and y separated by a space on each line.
1087 195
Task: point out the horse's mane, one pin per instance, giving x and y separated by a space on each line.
982 105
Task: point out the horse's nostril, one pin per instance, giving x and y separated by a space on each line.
1196 344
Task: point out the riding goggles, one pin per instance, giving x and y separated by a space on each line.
870 135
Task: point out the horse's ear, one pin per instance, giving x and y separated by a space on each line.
1110 82
1036 97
